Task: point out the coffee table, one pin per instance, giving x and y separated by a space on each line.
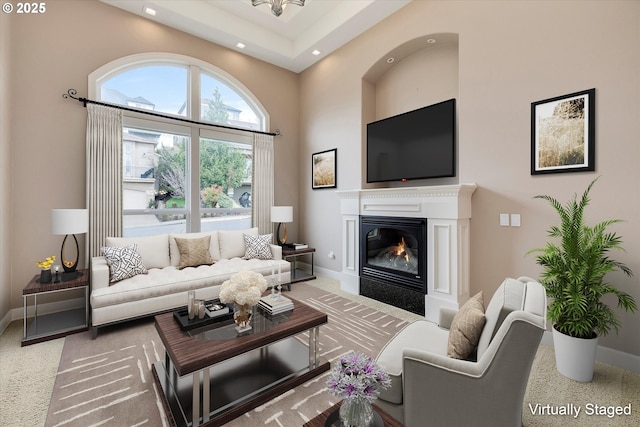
212 374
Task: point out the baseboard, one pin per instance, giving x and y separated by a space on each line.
607 355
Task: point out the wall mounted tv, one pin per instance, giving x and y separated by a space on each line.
418 144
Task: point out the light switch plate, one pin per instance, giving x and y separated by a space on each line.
504 220
515 220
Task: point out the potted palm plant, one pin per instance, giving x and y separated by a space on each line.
574 270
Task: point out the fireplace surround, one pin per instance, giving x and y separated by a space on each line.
446 210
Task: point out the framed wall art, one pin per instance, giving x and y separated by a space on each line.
324 169
563 133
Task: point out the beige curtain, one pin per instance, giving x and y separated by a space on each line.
104 175
262 182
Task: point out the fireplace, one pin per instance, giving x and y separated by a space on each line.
393 261
444 256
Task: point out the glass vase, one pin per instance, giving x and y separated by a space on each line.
356 413
242 317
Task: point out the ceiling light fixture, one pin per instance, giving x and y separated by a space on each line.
240 45
277 5
390 60
149 11
315 52
431 41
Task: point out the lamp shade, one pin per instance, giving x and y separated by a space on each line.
281 213
69 221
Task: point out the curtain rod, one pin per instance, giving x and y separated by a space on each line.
71 93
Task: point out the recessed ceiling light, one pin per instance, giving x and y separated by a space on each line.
391 60
431 41
149 11
316 52
240 45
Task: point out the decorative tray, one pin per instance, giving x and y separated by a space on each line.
215 312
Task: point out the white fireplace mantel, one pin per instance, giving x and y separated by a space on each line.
447 209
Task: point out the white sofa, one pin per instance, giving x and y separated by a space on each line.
164 287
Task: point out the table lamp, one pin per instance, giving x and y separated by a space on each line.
69 222
281 215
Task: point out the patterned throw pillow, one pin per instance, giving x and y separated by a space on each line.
124 262
257 247
466 328
194 252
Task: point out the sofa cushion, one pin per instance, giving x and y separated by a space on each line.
466 328
194 252
174 252
232 242
154 250
170 280
257 247
124 262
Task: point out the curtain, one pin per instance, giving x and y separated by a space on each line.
104 175
262 182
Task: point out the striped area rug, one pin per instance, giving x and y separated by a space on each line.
108 381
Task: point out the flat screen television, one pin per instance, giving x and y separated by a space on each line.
418 144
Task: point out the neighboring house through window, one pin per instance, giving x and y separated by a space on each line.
181 176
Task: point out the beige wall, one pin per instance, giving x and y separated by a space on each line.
56 51
5 167
509 55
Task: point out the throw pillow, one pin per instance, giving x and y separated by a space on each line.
194 252
124 262
466 328
257 247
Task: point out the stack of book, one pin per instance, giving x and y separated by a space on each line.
275 304
296 246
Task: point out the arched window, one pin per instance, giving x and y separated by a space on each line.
180 176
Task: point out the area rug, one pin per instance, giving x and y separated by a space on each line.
108 381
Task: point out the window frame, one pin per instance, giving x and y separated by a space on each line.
195 69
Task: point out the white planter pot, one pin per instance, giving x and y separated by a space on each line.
575 357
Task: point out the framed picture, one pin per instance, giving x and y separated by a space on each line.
563 133
323 169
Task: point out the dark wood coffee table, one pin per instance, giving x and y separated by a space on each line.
212 375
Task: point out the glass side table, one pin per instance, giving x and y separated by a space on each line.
38 327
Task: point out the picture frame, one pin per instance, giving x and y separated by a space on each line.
563 133
324 169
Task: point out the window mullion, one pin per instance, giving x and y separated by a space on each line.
193 177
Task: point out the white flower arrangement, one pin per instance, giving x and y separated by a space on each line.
244 287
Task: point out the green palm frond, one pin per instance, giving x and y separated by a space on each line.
574 268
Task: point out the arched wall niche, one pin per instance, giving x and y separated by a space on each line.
424 71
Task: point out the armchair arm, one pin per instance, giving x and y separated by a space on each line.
99 273
446 317
458 392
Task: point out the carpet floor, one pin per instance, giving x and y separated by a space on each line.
108 381
28 374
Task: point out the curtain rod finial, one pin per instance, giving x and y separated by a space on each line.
278 133
71 93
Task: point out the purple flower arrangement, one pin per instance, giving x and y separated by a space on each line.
358 377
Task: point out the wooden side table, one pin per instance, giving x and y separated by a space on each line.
44 327
299 275
321 420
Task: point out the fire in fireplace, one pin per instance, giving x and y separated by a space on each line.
393 250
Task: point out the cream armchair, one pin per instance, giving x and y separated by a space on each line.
430 388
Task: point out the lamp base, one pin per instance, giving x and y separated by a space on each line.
281 241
